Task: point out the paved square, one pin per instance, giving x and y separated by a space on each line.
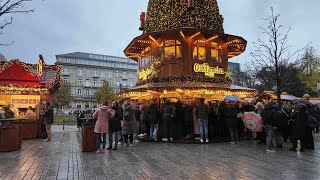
62 159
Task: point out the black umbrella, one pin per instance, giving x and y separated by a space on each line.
302 101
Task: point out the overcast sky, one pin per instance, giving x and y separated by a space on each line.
108 26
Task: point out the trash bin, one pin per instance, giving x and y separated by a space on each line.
88 135
10 137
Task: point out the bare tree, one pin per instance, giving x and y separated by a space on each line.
271 55
9 7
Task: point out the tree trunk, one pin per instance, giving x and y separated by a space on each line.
279 93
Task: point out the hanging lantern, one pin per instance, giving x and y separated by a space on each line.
142 20
190 4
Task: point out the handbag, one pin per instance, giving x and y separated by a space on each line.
311 121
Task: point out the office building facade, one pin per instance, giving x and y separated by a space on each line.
86 72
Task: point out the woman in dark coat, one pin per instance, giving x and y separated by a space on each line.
232 123
129 126
188 121
115 125
299 127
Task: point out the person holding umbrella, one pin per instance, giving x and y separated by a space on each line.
232 122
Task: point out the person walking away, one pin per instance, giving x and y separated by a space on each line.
103 115
129 126
202 114
268 119
137 114
279 126
115 126
153 117
48 120
188 121
232 123
167 114
299 125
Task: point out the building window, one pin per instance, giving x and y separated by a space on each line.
172 50
199 51
102 74
79 92
130 75
88 72
102 82
94 83
124 83
109 74
130 84
215 53
87 82
66 71
87 92
95 73
117 74
117 84
80 72
65 80
79 106
110 83
94 92
79 81
124 75
86 105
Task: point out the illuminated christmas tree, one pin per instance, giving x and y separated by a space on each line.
170 14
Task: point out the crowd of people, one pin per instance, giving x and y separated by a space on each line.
167 121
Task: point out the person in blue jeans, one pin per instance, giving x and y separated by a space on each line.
268 116
202 114
153 117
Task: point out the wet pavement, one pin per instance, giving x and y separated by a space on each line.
62 159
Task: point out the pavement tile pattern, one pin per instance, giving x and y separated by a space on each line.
62 159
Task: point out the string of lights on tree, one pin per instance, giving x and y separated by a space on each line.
169 14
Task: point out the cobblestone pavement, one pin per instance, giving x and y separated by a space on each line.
62 159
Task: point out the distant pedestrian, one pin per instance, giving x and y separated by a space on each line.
129 126
202 114
232 123
103 115
153 117
268 121
115 126
299 125
48 120
167 115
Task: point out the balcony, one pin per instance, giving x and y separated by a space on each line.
95 75
65 74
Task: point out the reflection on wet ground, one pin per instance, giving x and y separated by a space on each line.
62 159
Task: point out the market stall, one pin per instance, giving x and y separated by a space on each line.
25 86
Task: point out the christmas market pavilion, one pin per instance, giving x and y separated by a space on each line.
183 52
23 85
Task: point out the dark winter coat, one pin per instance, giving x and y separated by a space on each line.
115 123
299 124
231 119
48 115
202 111
188 119
167 110
153 114
268 114
130 125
